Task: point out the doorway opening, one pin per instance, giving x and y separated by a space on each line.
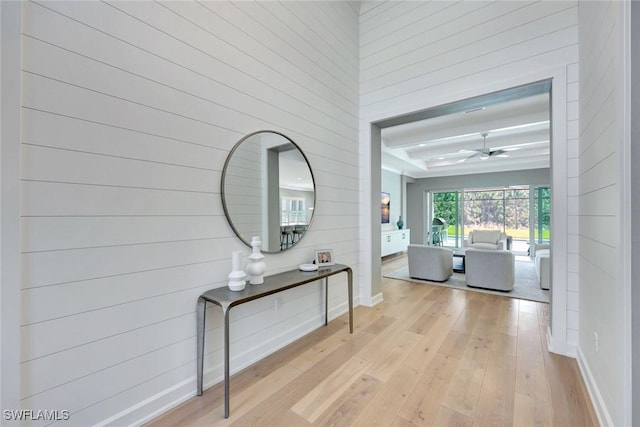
557 336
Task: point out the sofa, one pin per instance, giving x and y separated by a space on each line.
542 261
433 263
486 239
490 269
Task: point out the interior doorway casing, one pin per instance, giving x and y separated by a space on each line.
556 79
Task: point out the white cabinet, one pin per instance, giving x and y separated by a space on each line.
394 241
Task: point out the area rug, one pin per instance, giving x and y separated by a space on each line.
525 286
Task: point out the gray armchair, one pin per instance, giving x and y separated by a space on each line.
541 254
430 262
490 269
486 239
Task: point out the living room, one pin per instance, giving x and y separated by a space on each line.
476 164
519 236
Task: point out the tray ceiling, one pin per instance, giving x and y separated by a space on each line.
451 143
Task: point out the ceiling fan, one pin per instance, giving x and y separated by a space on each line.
484 152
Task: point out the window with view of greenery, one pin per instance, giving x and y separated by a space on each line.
446 206
543 214
504 210
507 210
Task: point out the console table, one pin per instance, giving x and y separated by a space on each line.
226 299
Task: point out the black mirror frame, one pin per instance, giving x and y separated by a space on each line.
223 180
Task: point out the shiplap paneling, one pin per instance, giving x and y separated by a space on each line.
411 42
459 49
130 111
392 19
601 297
99 138
573 210
163 57
634 159
455 50
62 232
479 25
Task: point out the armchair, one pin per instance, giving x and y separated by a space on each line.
486 239
490 269
541 253
430 262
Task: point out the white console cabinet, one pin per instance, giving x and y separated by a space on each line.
394 241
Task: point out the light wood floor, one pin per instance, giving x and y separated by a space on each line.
426 356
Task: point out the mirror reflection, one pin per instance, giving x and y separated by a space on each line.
268 190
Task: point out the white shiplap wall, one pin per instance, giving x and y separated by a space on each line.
634 177
415 55
129 111
602 301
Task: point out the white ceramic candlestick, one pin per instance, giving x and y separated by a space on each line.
237 277
256 266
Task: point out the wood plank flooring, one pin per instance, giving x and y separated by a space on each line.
426 356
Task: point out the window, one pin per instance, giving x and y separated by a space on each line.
542 212
484 209
446 208
292 211
523 213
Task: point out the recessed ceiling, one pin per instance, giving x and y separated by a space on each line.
516 137
294 171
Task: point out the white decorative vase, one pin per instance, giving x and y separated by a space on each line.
256 266
237 277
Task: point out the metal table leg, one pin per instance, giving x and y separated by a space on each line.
226 362
326 301
350 287
200 318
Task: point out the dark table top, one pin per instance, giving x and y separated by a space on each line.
279 282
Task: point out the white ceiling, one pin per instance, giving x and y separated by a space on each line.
443 145
294 171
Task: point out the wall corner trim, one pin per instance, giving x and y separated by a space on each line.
373 301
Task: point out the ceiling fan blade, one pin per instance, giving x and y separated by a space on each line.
496 152
476 154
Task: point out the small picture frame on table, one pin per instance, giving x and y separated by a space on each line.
324 258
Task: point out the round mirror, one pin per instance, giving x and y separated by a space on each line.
268 190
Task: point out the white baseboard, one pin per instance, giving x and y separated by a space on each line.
373 301
604 418
156 405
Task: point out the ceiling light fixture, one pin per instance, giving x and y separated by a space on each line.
484 153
